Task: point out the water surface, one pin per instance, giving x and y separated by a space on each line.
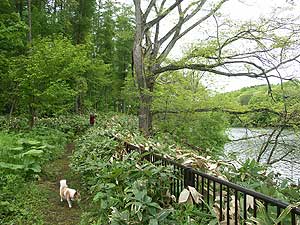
249 148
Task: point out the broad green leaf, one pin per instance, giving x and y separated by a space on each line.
33 152
11 166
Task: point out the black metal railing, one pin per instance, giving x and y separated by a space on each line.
234 204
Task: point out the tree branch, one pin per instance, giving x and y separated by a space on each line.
212 68
148 10
179 35
215 109
163 15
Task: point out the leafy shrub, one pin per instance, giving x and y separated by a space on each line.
22 155
71 124
13 123
125 188
17 198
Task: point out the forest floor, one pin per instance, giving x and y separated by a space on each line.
57 212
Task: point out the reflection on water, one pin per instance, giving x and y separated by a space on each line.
243 149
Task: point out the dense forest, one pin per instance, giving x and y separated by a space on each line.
60 56
62 60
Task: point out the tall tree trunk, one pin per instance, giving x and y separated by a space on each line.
144 84
32 111
12 107
145 113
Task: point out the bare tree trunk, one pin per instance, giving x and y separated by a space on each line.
79 104
145 113
12 108
32 111
144 85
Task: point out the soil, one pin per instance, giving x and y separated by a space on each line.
57 212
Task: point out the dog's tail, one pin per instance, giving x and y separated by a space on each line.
63 183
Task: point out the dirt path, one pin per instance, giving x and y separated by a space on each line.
58 212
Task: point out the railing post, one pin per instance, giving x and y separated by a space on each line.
189 177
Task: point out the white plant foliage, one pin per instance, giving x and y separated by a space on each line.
250 202
190 195
185 197
196 195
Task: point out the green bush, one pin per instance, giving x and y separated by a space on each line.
125 188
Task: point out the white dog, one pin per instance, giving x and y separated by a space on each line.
68 194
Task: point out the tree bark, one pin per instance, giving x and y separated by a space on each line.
145 85
145 113
32 111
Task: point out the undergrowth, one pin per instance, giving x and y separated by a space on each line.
127 190
23 154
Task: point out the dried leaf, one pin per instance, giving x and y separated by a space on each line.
173 198
232 207
216 208
200 163
250 202
185 197
188 162
195 194
212 166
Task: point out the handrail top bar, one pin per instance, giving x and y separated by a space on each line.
219 180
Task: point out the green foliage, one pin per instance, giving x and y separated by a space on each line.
184 95
48 80
58 75
18 199
283 98
12 30
130 94
112 40
125 188
264 215
23 154
256 176
112 181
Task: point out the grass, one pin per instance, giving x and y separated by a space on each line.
38 202
57 212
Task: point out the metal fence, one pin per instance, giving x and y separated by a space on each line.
234 203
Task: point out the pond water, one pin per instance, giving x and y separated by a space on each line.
243 149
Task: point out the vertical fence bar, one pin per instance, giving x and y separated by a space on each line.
181 180
208 191
245 208
278 214
293 218
175 181
221 202
266 207
189 177
228 206
214 190
255 208
202 190
236 207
